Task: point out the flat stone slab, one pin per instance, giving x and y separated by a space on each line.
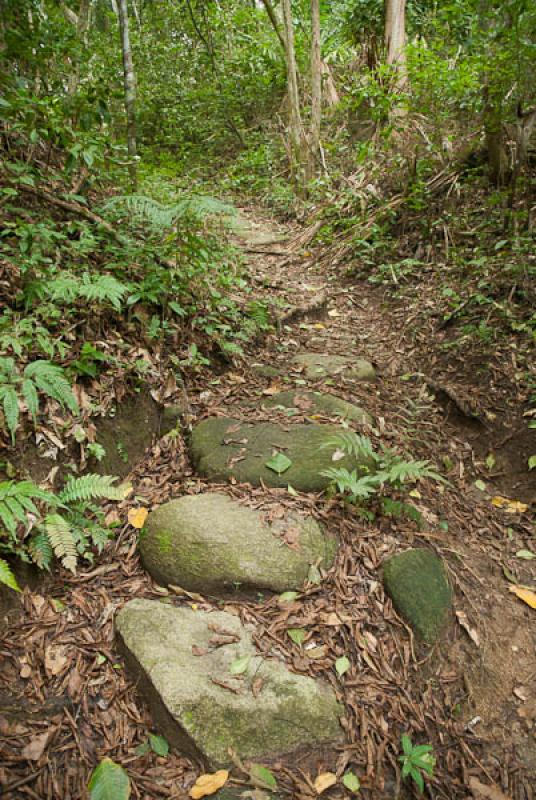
318 366
416 582
312 404
182 657
211 543
223 448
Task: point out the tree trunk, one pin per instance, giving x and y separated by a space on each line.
130 90
395 39
273 19
81 21
297 143
316 87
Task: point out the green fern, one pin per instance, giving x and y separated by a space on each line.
160 216
91 487
359 447
68 288
62 541
65 535
16 501
39 376
7 577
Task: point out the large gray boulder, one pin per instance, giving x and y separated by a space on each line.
318 366
314 404
210 543
223 448
185 660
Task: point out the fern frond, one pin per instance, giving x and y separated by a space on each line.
61 540
104 288
29 393
7 577
10 407
40 550
160 216
49 378
359 447
91 487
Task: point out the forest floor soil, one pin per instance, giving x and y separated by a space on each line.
65 697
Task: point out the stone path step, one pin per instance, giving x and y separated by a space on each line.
210 690
210 543
224 448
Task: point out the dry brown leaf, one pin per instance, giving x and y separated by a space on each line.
324 781
273 389
482 792
36 746
526 595
509 506
209 784
471 632
25 671
55 659
137 517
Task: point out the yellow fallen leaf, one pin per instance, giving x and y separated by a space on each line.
209 784
319 327
509 506
324 781
137 517
526 595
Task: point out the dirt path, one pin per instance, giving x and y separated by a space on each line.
473 696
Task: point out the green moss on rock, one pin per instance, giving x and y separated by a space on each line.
212 543
416 582
169 650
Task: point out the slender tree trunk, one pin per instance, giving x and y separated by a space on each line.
395 38
130 90
81 21
297 142
273 19
316 85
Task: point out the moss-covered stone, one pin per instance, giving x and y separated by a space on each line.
211 543
171 651
265 370
224 448
317 366
416 582
318 403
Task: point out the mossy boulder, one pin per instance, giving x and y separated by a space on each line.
211 543
223 448
265 370
417 584
177 656
312 404
318 366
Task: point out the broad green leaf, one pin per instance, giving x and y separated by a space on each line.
109 781
7 577
240 665
526 554
288 597
351 782
532 462
142 749
342 665
159 745
279 463
297 635
262 777
480 485
10 404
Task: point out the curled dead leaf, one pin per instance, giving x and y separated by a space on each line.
55 659
137 517
209 784
526 595
482 792
324 781
37 746
509 506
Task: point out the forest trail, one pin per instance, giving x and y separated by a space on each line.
472 696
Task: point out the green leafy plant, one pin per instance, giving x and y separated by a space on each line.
416 760
109 781
67 528
160 215
373 470
38 377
